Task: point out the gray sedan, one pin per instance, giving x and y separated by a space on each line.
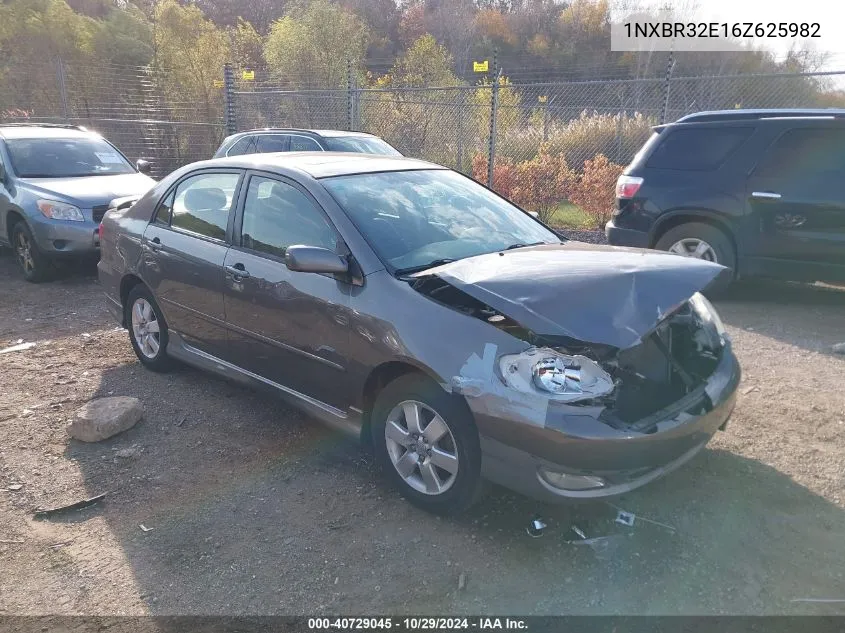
413 308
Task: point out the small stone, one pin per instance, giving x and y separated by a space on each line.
128 453
15 487
105 417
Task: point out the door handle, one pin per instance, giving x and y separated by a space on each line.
154 244
765 194
237 271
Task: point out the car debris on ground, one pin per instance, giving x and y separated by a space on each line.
40 513
20 346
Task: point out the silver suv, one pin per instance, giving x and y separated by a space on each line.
56 182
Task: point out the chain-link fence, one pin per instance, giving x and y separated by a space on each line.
148 114
130 105
454 125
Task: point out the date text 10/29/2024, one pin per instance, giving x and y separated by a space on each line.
417 624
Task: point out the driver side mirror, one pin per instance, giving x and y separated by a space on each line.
144 166
314 259
534 214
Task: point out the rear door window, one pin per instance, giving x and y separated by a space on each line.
804 151
202 203
246 145
273 143
699 149
304 144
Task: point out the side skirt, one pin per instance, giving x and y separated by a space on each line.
349 423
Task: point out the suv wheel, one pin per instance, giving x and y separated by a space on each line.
701 241
36 267
427 444
147 329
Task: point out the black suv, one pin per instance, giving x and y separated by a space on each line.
759 191
297 140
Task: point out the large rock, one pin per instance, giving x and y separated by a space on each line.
104 417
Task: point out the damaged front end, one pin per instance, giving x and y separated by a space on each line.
598 402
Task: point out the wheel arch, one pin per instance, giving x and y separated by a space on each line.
13 216
127 283
673 219
378 378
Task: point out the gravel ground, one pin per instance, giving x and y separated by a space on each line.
593 237
252 508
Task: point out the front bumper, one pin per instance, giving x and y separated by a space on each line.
618 236
515 451
57 237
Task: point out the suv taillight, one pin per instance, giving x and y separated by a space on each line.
628 186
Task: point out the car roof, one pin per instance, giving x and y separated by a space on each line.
320 164
291 130
44 131
762 114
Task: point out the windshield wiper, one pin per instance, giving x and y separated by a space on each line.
415 269
518 245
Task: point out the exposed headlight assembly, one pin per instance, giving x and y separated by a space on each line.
60 211
559 377
708 315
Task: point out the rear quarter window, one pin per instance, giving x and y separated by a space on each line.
700 149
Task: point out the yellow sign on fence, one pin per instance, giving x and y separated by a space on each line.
480 67
542 98
248 75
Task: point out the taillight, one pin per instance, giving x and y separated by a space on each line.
100 230
628 186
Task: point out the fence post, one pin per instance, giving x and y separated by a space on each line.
461 107
494 110
350 99
60 78
229 96
670 65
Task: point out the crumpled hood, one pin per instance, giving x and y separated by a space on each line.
595 294
88 191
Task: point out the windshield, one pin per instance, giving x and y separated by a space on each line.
417 219
65 157
360 144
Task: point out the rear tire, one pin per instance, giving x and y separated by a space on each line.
35 265
702 241
426 443
147 329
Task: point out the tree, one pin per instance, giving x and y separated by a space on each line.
420 122
309 47
426 63
246 45
190 52
124 37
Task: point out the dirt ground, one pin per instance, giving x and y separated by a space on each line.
252 508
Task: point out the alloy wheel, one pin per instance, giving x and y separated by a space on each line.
145 328
23 249
421 447
695 248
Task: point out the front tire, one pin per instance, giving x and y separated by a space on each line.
35 265
147 329
427 445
